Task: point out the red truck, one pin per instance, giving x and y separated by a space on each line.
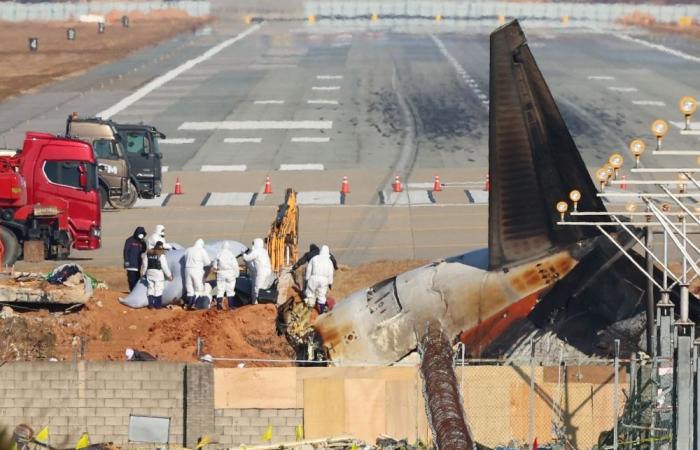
49 194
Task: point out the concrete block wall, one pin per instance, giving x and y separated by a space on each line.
96 397
199 402
236 426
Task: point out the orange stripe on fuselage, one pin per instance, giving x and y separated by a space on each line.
478 337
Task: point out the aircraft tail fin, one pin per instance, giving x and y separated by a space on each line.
533 160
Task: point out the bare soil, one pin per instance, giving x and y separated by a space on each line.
109 328
58 58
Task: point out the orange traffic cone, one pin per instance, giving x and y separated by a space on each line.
397 184
268 186
178 187
487 186
623 183
437 186
345 187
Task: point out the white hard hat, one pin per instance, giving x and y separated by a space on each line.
129 353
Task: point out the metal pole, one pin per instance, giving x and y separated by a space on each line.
651 329
616 394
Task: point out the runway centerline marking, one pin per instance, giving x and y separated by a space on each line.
311 139
222 168
292 167
329 77
176 141
259 125
268 102
325 88
622 89
649 102
322 102
255 140
601 77
172 74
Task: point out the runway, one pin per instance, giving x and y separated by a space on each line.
307 104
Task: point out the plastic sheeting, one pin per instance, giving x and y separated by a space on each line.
176 262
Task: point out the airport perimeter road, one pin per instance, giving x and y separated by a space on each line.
307 104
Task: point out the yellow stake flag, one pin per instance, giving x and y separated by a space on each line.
267 436
203 441
299 432
43 436
83 442
354 446
14 446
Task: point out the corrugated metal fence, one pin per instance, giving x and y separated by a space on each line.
484 9
16 12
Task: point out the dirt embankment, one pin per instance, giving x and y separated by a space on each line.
109 328
58 58
687 26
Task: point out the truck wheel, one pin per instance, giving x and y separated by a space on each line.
104 196
128 200
10 247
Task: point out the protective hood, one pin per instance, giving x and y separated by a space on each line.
129 353
324 251
226 246
313 248
199 243
160 230
258 244
139 230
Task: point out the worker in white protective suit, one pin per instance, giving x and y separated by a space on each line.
226 267
155 268
196 259
259 268
158 235
319 277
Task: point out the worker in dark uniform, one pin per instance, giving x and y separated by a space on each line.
155 267
134 247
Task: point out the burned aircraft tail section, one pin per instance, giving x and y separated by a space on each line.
533 160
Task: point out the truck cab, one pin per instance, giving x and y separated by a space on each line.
48 195
145 158
115 184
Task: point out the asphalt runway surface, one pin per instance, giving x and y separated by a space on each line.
307 104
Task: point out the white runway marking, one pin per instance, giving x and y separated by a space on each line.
172 74
268 102
600 77
460 70
228 199
259 125
318 198
231 168
325 88
242 140
649 102
659 47
322 102
622 89
420 197
311 139
301 167
479 197
176 141
681 125
329 77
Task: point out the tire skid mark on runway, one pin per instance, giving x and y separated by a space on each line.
464 76
174 73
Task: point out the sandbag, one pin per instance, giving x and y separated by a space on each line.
174 290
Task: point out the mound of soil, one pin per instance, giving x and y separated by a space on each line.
107 327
